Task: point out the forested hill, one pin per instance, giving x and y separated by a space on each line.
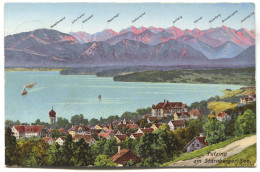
243 76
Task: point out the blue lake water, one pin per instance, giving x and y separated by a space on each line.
78 94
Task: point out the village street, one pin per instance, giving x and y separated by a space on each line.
214 156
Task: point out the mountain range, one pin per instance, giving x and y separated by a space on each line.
131 46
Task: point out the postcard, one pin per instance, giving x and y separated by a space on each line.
129 85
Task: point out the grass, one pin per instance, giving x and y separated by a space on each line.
218 106
246 158
205 150
230 93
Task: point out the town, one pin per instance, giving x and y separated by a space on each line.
149 137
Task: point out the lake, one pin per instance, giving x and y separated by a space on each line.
78 94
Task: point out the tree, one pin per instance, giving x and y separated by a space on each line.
130 144
78 119
110 147
93 121
63 123
54 155
104 161
67 151
98 147
246 123
230 127
10 148
215 131
32 153
10 123
55 133
82 154
130 163
39 122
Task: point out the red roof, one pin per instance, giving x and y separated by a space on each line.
178 122
202 140
104 135
146 130
222 114
169 105
86 137
61 130
122 125
52 113
137 135
195 112
76 127
46 139
182 113
118 155
121 137
28 128
132 126
158 125
96 131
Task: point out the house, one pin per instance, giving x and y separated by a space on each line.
223 116
123 156
60 140
104 127
30 131
181 116
195 114
196 143
48 140
167 108
104 135
174 125
88 139
113 132
79 130
145 130
120 138
136 135
132 126
150 119
248 99
156 126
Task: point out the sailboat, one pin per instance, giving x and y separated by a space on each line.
99 96
24 92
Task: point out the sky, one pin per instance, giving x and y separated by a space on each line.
23 17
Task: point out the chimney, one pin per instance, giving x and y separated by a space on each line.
118 149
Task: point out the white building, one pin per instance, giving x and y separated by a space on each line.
174 125
223 117
29 131
196 143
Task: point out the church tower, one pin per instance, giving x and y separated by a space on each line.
52 117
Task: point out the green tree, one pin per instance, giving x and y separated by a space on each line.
10 123
230 127
82 154
78 119
98 147
130 163
10 148
67 151
246 123
39 122
130 144
93 121
110 147
215 131
63 123
104 161
54 155
32 153
55 133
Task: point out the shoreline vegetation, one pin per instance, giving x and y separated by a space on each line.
155 74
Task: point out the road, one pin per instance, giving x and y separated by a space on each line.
216 155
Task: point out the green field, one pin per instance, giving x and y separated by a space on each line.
243 76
